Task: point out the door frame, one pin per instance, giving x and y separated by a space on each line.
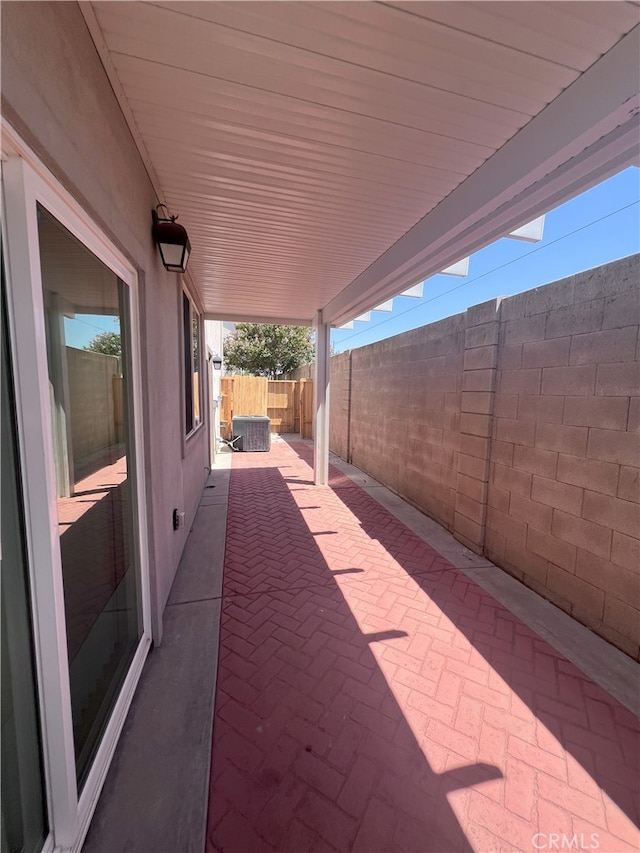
25 182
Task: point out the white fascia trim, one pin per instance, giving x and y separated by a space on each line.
532 172
253 318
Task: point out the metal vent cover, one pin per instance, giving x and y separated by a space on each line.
254 432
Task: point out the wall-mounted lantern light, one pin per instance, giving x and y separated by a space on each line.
216 361
172 240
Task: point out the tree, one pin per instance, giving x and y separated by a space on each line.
108 343
265 350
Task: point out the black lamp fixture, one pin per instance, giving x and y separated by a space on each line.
172 240
216 361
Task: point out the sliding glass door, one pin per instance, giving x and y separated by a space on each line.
75 594
86 309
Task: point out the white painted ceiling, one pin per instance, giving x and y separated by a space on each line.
299 141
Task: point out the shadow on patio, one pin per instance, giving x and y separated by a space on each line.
373 697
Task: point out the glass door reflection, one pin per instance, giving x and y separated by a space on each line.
88 339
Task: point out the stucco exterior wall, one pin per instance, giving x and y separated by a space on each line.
516 426
56 94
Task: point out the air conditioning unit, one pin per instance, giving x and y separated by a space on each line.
252 431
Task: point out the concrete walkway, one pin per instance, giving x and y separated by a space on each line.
373 696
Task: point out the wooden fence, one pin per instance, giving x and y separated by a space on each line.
305 422
288 403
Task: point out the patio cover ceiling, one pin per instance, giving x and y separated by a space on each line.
326 156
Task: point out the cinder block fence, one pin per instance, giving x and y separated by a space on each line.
516 425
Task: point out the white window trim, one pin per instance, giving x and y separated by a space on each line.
195 310
27 181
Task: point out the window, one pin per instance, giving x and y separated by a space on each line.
192 349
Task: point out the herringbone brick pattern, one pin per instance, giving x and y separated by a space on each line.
371 697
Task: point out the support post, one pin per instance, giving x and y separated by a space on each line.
321 403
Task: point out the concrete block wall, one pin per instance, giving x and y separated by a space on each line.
563 491
406 414
516 426
340 420
91 397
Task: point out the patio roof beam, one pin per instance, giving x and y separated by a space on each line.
597 115
252 318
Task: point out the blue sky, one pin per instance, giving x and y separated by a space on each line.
85 327
598 226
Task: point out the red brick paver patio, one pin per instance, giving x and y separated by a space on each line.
372 697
